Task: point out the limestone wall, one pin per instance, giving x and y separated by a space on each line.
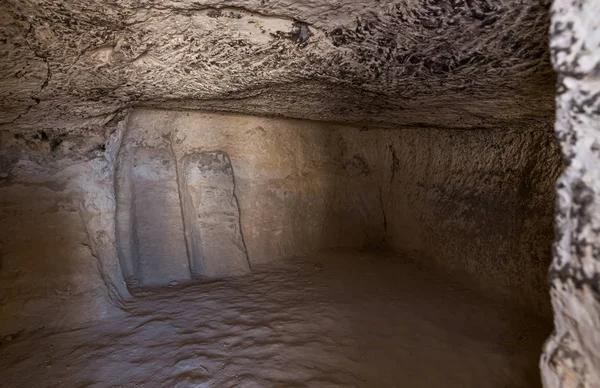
572 354
476 204
58 264
301 186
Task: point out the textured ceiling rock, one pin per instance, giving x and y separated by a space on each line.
461 64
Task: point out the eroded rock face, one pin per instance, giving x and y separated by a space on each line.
70 72
158 232
215 243
71 64
178 218
476 203
301 186
572 354
58 262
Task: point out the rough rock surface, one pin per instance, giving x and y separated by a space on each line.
73 64
300 185
472 202
572 354
314 328
476 203
161 256
215 243
58 262
177 217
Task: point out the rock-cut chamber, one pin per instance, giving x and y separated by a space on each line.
209 196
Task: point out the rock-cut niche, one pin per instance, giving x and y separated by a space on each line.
177 219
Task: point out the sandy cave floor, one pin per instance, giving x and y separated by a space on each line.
335 319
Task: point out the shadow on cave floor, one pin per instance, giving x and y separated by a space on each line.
335 319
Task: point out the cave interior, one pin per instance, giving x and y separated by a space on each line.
298 194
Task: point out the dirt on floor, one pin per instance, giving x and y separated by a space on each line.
335 319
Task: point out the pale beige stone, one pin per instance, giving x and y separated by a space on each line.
212 216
